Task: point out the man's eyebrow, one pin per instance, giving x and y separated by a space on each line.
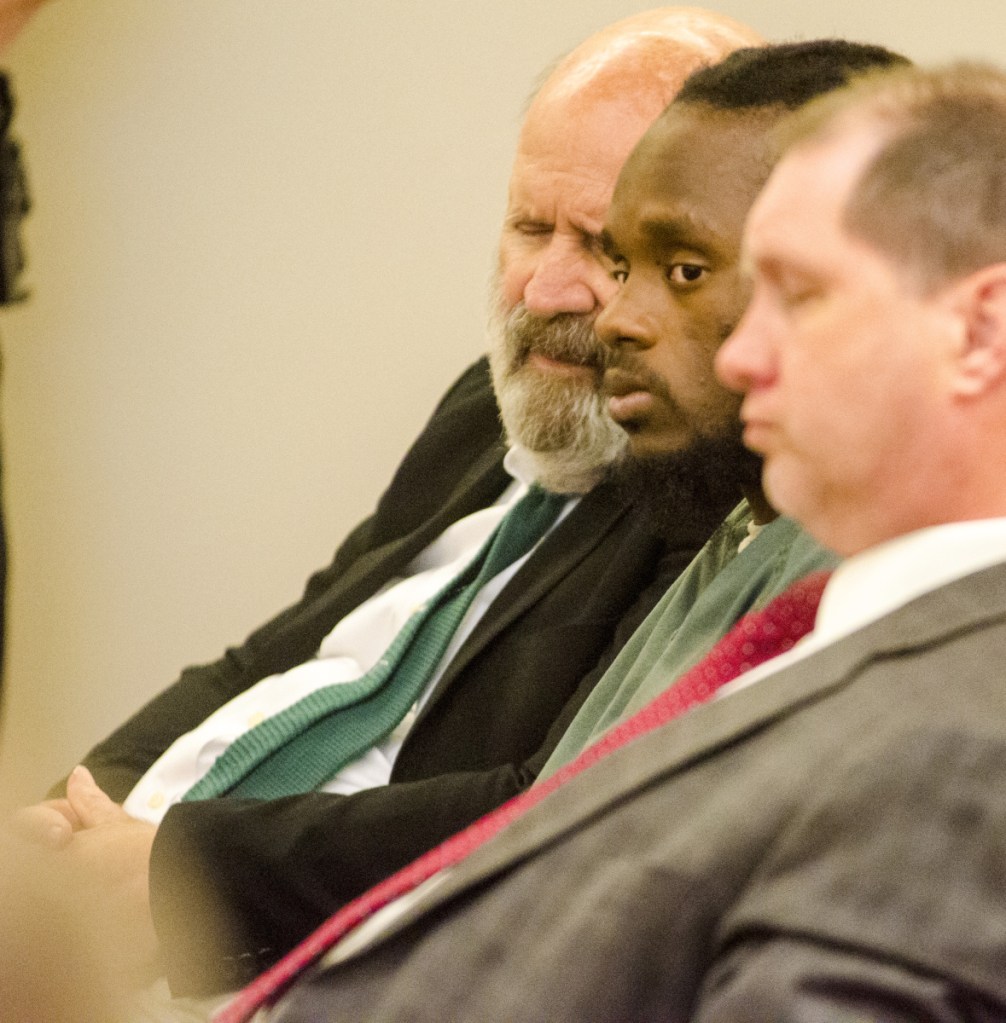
680 229
607 243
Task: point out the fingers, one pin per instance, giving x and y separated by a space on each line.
46 824
53 823
89 802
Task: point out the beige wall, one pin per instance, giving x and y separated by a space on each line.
259 252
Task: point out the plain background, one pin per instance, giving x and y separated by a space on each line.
259 252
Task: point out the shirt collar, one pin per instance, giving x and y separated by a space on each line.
875 582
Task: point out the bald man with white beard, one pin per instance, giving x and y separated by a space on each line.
133 837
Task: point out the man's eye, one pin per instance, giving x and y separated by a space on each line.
685 273
533 228
796 289
620 274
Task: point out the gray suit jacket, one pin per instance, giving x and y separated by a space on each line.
828 844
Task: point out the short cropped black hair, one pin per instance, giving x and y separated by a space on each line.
783 74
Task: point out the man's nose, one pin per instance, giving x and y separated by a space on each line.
745 358
567 278
622 324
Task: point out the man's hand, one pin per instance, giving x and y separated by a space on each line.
104 867
51 823
86 805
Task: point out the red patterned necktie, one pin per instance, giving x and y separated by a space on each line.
757 637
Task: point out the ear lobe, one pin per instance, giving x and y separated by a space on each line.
981 362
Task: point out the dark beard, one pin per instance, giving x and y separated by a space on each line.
698 484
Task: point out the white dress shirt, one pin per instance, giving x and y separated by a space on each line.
347 652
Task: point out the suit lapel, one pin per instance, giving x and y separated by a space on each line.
561 551
480 487
711 728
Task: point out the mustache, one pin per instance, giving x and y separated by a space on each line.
567 337
630 364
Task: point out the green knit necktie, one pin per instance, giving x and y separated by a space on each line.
301 747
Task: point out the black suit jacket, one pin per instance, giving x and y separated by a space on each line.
827 845
274 870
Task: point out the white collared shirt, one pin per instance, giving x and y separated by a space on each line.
347 652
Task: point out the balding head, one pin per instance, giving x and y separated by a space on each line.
579 129
649 54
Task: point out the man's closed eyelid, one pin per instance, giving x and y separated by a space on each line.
532 227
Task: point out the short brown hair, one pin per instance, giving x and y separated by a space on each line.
934 197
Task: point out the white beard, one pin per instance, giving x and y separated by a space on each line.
562 422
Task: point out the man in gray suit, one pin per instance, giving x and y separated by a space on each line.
825 839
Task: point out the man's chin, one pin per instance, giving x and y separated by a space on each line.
569 437
552 412
698 482
645 446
